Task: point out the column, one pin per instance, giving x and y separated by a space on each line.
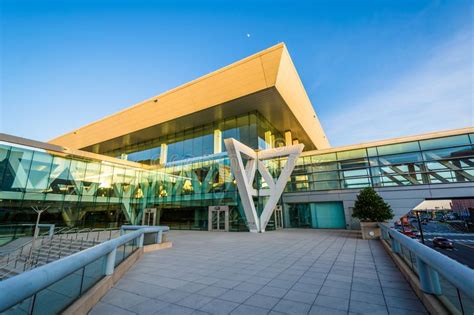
296 141
217 141
163 153
288 138
268 139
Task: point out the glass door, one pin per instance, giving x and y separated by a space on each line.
149 216
278 218
219 218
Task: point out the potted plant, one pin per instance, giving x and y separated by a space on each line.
370 209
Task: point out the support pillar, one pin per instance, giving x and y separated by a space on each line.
217 141
268 139
288 138
164 153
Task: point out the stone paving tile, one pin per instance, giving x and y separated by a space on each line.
336 292
174 309
299 296
149 307
236 296
249 310
217 307
273 291
305 287
142 288
263 301
367 308
280 272
173 296
366 297
108 309
122 299
320 310
212 291
194 301
291 307
249 287
332 302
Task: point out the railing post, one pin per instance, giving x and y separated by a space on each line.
110 262
140 240
159 237
51 231
429 278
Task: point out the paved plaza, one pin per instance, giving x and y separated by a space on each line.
279 272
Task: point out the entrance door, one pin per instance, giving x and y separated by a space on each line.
278 217
149 216
219 218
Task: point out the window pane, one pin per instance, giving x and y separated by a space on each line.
40 168
353 154
323 158
444 142
353 164
398 148
448 153
400 158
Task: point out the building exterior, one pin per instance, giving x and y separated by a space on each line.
166 161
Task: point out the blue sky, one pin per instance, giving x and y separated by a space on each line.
373 69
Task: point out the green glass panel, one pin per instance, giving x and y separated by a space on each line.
330 157
444 142
398 148
372 151
323 176
400 158
327 185
352 154
448 153
16 174
323 167
39 172
349 164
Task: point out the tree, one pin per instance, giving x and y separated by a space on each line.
370 207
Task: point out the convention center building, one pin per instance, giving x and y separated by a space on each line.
239 149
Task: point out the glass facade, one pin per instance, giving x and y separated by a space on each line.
433 161
195 142
84 192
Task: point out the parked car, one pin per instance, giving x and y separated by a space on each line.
409 233
442 242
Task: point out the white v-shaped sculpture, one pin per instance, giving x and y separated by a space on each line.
245 175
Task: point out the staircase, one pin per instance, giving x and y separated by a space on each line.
46 249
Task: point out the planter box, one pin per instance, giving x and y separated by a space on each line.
370 230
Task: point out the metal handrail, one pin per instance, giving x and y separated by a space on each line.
32 256
459 275
31 282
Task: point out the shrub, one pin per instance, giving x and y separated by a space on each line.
370 207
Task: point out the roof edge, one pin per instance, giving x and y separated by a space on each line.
423 136
183 86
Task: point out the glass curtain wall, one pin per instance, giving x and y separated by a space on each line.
433 161
199 141
91 193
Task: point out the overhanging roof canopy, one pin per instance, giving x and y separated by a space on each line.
266 82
